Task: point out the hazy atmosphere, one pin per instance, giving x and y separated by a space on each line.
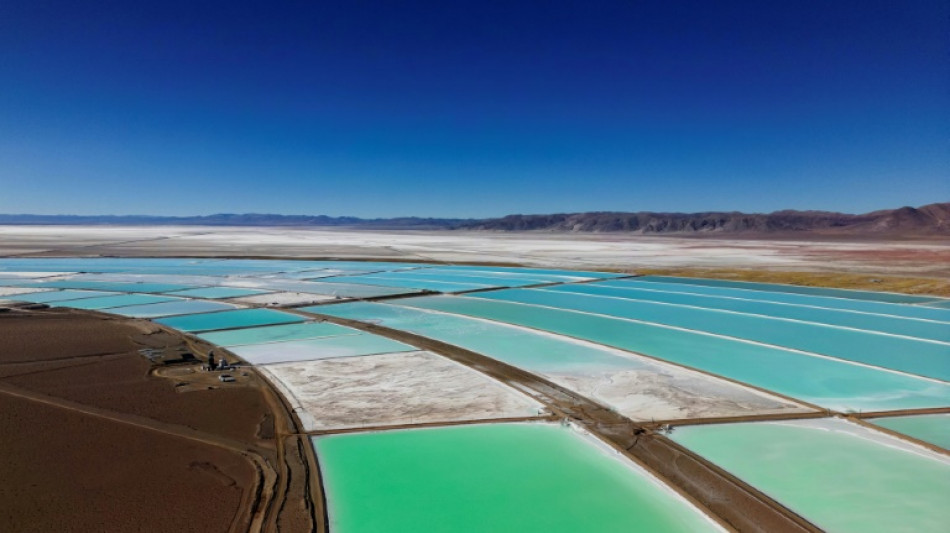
471 109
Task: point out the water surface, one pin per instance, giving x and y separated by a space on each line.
841 476
499 478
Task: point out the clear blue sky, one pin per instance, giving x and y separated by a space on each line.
481 108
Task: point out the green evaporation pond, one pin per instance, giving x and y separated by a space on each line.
925 358
502 478
515 346
910 311
796 289
349 345
61 296
840 476
872 322
241 318
939 305
179 307
117 301
826 382
288 332
214 293
934 429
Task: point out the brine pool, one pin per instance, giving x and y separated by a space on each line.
840 476
826 382
934 428
515 477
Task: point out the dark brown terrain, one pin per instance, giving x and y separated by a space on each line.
95 437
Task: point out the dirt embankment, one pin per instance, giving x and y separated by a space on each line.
95 437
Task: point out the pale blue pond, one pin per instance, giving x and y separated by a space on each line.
565 275
117 301
288 332
515 346
889 297
925 358
882 308
468 277
888 324
61 296
113 286
340 288
180 307
241 318
826 382
392 280
525 274
215 293
351 345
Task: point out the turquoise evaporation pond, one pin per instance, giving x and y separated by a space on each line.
934 428
117 301
61 296
95 264
180 307
796 289
925 358
516 346
264 334
337 288
393 281
540 276
214 293
113 286
938 305
502 478
889 324
240 318
348 345
840 476
488 280
567 274
826 382
882 308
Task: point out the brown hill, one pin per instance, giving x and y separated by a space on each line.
929 220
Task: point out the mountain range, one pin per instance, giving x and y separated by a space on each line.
928 220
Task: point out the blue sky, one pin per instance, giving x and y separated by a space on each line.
469 109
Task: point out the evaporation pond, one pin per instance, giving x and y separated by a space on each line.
214 293
320 348
241 318
117 301
934 429
288 332
114 286
839 475
181 307
517 478
61 296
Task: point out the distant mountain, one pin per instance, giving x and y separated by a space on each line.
229 219
929 220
